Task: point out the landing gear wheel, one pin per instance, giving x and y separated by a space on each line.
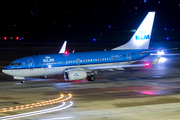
90 78
23 81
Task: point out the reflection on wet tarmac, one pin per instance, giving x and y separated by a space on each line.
158 92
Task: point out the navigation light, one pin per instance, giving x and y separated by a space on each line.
147 64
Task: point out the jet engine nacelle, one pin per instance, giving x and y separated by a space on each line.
75 75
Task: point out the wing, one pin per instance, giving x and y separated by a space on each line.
118 67
121 67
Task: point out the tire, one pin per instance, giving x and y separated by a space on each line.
23 81
91 78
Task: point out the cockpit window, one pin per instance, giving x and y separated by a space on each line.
16 64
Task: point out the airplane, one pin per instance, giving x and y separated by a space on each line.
83 65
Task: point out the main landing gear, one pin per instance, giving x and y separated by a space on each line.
23 81
90 78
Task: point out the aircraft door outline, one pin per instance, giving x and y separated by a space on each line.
31 63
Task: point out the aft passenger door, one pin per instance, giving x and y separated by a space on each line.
30 63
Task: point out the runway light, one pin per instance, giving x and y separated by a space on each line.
61 107
17 38
167 38
164 28
94 39
5 38
35 104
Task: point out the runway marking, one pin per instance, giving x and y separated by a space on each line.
37 112
38 104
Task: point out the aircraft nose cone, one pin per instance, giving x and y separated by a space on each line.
4 71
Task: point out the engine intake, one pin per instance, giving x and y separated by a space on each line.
75 75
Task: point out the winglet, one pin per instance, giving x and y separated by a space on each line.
63 48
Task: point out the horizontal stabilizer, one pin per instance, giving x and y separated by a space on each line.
157 59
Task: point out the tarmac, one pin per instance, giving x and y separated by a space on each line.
141 93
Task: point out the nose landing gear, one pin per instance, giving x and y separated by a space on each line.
23 81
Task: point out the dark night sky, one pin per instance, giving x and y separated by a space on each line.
37 19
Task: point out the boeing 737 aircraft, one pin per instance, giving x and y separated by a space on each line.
83 65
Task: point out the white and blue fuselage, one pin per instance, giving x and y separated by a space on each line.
54 64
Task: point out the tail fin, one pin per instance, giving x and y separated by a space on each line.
141 38
63 48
